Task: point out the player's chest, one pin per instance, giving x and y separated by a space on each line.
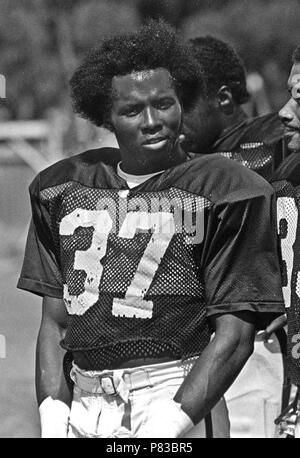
99 228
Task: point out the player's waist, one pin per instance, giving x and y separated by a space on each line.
134 352
121 382
82 361
128 353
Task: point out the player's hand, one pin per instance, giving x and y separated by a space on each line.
276 324
54 415
165 419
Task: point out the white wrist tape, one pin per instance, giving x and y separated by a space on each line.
54 415
166 419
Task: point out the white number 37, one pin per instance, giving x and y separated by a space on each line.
133 304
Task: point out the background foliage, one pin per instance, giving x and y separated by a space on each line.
41 41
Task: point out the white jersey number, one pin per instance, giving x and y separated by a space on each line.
133 304
288 212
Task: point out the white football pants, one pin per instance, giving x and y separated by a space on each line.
96 413
254 399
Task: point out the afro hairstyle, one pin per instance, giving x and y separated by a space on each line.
155 45
221 66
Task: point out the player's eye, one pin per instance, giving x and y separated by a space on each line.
130 111
164 104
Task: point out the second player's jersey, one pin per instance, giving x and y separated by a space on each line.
286 182
256 142
251 148
140 270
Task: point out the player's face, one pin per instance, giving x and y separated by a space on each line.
202 126
290 113
146 117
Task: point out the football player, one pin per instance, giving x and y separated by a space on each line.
217 121
218 124
287 182
140 253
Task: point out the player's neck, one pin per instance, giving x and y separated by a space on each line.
145 166
233 120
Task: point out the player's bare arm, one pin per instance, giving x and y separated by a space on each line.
53 394
50 380
218 365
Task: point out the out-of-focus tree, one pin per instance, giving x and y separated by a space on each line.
26 60
41 42
264 33
175 11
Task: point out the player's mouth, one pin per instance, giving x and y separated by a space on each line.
155 143
291 130
292 136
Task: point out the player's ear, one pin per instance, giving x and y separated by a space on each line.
225 99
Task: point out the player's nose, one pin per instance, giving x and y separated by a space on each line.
151 120
286 113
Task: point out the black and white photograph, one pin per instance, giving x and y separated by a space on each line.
150 221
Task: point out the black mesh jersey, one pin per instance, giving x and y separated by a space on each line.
286 182
141 269
253 144
260 136
255 156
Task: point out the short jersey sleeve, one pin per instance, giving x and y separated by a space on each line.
40 272
241 261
